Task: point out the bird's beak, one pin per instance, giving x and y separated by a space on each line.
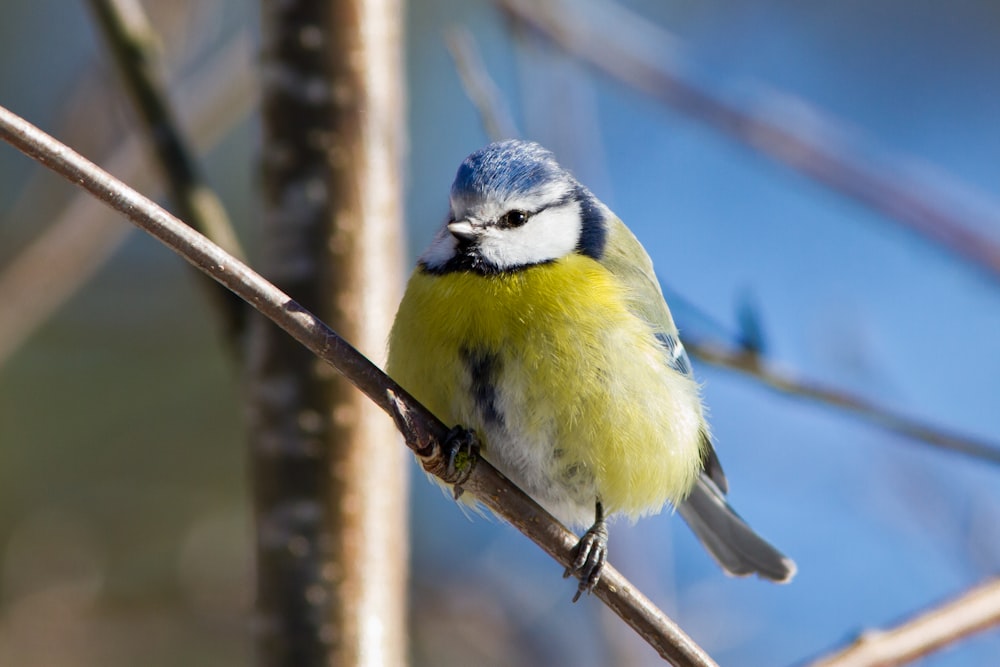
463 230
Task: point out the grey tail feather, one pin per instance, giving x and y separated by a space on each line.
737 548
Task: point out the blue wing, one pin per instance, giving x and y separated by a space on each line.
677 356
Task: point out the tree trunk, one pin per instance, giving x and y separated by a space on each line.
328 468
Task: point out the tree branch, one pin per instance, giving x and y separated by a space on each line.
751 364
639 61
424 431
975 611
132 43
479 87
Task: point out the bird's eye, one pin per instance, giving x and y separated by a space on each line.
513 218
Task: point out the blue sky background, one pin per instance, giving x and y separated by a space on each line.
123 499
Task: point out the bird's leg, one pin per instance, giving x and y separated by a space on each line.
590 554
462 450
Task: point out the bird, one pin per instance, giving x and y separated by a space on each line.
535 321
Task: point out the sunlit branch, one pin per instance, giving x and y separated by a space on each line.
974 611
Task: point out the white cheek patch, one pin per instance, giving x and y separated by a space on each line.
548 235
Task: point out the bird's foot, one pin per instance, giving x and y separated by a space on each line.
590 555
461 448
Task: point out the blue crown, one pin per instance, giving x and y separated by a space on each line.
505 169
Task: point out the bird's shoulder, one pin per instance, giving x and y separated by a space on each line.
626 259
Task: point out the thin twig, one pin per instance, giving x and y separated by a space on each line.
644 66
752 364
424 433
132 42
974 611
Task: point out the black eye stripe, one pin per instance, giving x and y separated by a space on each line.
517 217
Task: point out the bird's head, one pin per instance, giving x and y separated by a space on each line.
513 206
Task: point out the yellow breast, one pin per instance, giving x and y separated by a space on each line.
583 399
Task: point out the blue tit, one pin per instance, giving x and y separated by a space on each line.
535 319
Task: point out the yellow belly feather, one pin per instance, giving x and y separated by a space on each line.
581 383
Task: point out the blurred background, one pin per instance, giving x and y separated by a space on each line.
125 533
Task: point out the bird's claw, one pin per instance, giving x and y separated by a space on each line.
461 448
590 555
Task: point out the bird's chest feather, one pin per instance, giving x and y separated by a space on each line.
568 389
509 348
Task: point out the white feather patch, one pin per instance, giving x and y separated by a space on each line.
441 250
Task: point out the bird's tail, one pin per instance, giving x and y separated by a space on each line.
737 548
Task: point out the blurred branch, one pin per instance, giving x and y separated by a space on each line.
630 50
133 43
424 432
478 85
975 611
78 241
752 364
44 275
